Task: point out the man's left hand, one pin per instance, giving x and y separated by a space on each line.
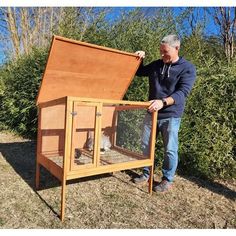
156 105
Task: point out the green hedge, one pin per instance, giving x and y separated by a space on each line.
21 80
207 134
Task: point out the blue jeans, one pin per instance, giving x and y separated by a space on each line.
169 129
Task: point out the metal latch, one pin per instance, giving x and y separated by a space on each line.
98 113
73 113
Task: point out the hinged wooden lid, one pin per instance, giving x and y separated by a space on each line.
81 69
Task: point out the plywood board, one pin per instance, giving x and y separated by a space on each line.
81 69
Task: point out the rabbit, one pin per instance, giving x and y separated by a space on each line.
78 153
90 141
105 142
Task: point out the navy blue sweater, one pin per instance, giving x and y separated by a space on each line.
169 80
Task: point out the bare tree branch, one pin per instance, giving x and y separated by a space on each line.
227 25
11 20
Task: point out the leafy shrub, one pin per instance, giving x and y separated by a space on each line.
21 80
207 136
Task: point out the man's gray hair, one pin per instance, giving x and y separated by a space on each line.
172 40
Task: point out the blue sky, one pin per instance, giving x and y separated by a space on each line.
1 57
210 29
117 3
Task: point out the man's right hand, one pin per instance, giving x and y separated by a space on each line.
141 54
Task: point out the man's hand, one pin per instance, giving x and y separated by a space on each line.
140 54
156 105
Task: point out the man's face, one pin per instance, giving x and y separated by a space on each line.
168 53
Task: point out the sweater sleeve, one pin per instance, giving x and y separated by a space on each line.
144 70
184 85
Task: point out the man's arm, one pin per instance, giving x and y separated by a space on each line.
169 101
185 85
142 70
183 89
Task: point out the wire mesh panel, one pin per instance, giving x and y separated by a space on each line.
122 143
129 129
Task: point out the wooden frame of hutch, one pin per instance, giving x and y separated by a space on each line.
62 101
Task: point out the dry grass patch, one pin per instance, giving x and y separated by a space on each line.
105 201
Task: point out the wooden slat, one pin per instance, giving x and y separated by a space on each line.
98 126
51 166
68 135
67 153
111 101
114 125
152 149
40 88
108 169
130 107
39 149
94 46
153 135
52 102
72 155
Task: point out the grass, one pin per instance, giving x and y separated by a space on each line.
105 201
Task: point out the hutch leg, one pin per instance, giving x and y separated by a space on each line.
63 198
37 175
151 179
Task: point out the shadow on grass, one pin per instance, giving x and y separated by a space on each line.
210 185
214 187
22 157
200 178
129 181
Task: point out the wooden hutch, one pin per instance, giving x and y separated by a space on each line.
80 95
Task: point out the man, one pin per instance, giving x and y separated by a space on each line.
170 80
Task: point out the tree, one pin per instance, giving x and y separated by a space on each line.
225 18
23 28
